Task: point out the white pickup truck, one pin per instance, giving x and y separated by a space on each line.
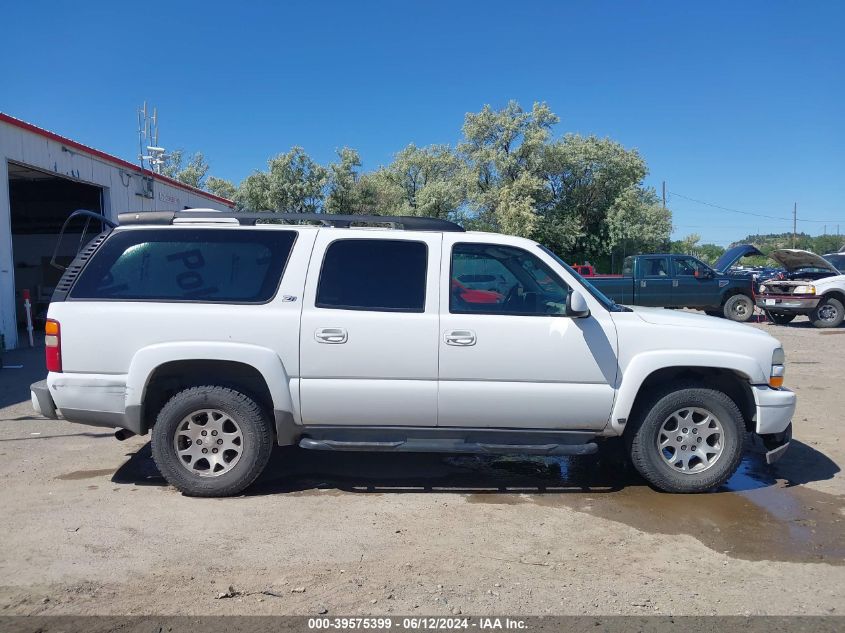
225 333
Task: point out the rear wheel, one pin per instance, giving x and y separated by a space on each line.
780 318
738 308
211 441
829 313
689 440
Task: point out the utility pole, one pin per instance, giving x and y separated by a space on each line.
664 194
794 222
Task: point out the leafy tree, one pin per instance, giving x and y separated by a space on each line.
193 173
587 178
344 183
638 222
293 183
424 181
503 150
221 187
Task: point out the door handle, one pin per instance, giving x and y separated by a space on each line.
335 335
674 283
642 284
462 338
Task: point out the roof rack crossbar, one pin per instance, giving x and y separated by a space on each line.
402 222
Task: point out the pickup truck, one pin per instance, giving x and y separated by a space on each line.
224 334
811 285
679 281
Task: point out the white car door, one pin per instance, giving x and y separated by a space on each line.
368 339
514 360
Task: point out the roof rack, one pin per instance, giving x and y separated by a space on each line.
401 222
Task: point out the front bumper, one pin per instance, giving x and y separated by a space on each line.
774 409
800 304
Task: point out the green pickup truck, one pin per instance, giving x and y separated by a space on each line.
681 281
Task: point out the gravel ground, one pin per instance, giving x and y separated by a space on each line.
89 526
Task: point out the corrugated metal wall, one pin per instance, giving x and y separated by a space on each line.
120 194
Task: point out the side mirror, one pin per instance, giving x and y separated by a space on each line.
576 305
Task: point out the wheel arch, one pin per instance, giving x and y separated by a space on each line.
732 374
156 372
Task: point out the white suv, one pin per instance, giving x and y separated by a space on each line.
225 333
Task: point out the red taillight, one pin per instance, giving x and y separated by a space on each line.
53 345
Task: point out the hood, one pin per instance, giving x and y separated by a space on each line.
793 259
662 316
733 255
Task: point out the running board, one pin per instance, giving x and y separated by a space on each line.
448 445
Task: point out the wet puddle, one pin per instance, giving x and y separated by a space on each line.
757 515
86 474
763 513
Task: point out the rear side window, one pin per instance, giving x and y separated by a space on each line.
209 265
378 275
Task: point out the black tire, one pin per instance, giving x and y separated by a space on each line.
780 318
250 421
648 458
829 313
739 308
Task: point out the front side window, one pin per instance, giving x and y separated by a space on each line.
376 275
525 285
689 267
176 264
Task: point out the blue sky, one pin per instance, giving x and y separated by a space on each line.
739 104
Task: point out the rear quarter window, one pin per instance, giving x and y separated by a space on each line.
207 265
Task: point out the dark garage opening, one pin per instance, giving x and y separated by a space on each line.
40 202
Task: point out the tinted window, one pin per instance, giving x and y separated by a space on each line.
187 265
530 287
382 275
655 267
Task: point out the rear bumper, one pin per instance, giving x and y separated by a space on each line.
42 401
800 304
91 399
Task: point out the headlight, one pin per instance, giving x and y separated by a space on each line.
805 290
778 368
762 288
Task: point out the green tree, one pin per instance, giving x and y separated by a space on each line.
221 187
503 150
424 181
586 179
638 222
293 183
344 183
193 173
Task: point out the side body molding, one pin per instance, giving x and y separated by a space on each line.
635 372
264 360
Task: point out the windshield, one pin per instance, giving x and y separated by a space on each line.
608 303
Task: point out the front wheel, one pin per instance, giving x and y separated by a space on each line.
780 318
738 308
689 440
829 313
211 441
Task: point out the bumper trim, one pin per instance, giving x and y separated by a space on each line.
776 444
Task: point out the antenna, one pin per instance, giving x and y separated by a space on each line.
150 155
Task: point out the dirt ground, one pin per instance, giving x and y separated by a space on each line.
89 527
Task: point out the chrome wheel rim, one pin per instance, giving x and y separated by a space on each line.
740 308
828 313
691 440
208 442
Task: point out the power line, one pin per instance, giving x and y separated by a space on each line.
751 213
